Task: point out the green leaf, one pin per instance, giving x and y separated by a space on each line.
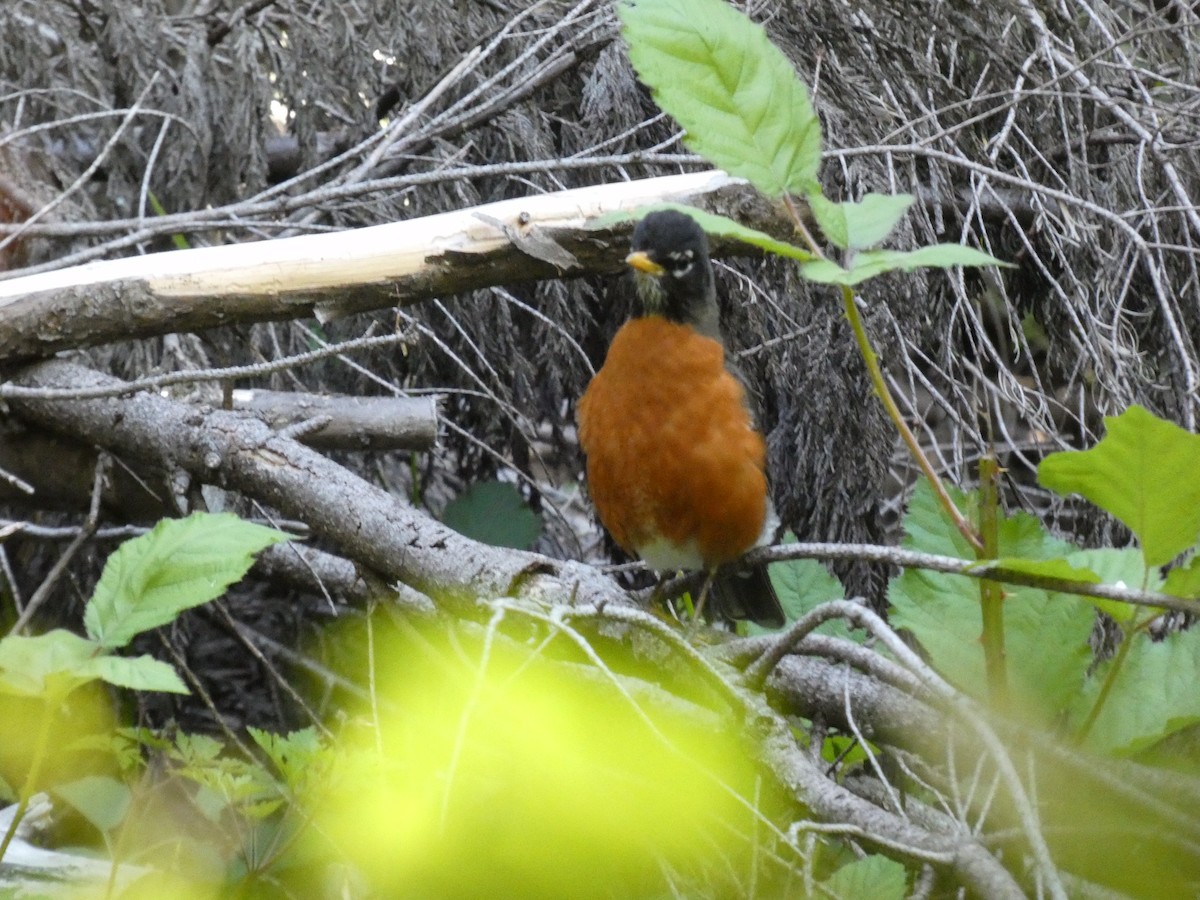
182 563
1153 697
103 801
1123 567
1184 581
873 878
870 263
49 665
862 224
802 585
1146 472
139 673
493 512
713 224
732 90
1045 633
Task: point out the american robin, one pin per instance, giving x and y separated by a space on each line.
676 465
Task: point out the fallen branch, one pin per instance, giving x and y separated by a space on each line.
337 274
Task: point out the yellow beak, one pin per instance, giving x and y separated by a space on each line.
643 263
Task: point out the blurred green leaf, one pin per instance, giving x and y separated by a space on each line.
182 563
734 92
1146 472
493 512
103 801
47 665
873 878
1184 580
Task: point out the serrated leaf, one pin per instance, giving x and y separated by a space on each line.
868 264
862 224
47 665
182 563
1146 472
139 673
732 90
802 585
1045 633
715 225
493 512
1184 581
103 801
876 878
1153 696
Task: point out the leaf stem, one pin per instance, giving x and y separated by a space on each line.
879 383
1110 679
31 780
991 594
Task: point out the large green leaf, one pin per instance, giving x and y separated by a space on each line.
1045 633
1146 472
716 225
871 263
861 224
1154 696
732 90
182 563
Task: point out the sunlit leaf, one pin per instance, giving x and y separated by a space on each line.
1146 472
734 92
102 800
51 664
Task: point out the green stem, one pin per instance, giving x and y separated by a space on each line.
879 383
991 593
1110 678
31 780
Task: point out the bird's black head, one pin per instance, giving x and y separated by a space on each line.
669 255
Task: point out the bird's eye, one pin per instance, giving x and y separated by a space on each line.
681 262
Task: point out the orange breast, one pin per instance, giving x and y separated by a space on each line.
672 453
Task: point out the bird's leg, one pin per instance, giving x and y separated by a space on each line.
698 609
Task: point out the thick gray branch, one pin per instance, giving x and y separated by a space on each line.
366 523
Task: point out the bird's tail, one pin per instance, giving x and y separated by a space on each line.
746 593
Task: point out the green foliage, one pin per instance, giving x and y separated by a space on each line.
182 563
146 583
943 612
856 226
717 226
732 90
1153 697
1146 472
871 263
802 585
493 512
873 878
743 108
